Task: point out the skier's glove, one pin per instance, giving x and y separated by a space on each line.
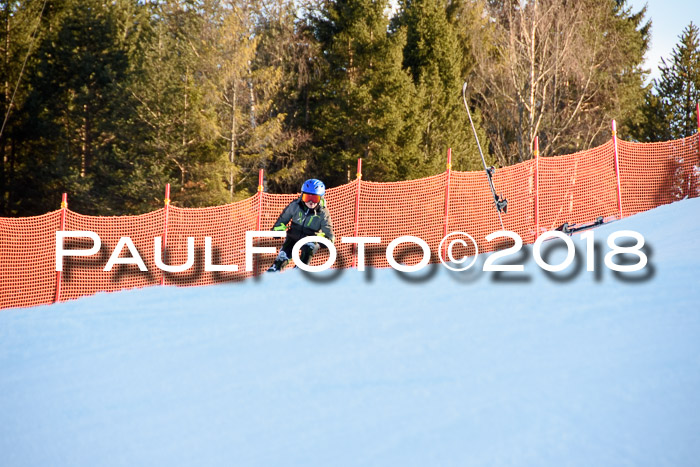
321 234
280 227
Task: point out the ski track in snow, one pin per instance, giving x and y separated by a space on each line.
371 368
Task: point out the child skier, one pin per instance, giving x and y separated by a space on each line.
309 216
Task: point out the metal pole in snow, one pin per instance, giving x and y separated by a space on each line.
537 187
617 168
448 174
260 198
64 207
694 176
357 209
697 109
166 212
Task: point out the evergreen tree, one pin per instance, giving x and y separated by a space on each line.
631 33
288 49
209 99
178 99
364 103
436 62
78 127
678 89
20 31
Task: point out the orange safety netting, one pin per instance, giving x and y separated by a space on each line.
543 193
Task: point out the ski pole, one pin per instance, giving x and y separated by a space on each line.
500 203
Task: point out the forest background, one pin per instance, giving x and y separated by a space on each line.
111 100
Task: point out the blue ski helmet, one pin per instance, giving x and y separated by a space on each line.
314 186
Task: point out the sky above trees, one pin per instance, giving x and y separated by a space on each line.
118 99
669 18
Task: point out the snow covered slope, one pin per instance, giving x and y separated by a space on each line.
374 368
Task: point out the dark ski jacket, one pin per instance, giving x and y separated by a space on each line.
305 221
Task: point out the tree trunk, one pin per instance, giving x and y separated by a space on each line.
533 85
232 151
85 143
6 107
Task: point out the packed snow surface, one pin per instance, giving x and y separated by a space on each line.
373 368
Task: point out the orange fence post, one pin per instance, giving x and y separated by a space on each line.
537 187
64 207
617 168
166 212
693 177
448 174
357 209
260 199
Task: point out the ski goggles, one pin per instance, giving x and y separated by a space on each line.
308 197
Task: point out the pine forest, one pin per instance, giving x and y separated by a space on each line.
111 100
